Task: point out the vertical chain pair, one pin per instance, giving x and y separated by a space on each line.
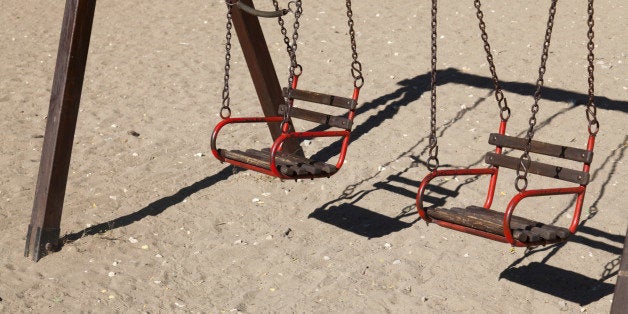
432 160
521 181
356 66
291 47
225 110
591 112
502 103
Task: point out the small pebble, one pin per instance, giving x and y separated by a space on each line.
255 200
387 245
133 133
424 299
158 256
111 274
269 237
396 262
326 257
144 247
132 240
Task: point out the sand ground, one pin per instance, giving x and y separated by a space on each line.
155 224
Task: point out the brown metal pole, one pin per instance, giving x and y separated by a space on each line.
262 69
44 229
620 299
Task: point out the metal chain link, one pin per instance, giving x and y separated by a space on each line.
432 161
502 103
291 48
356 66
225 110
594 124
521 182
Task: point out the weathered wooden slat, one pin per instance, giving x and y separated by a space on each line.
566 152
522 223
491 221
299 165
330 100
317 117
245 157
539 168
289 165
466 218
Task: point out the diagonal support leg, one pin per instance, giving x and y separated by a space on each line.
262 70
44 229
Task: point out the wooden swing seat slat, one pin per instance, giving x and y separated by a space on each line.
317 117
566 152
288 164
539 168
325 99
487 220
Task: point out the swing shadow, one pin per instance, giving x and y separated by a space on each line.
561 282
153 209
370 224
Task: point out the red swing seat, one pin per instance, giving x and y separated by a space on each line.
505 226
275 162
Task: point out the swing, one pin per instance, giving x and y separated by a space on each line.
274 161
505 226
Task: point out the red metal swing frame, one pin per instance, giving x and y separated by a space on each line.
286 134
493 171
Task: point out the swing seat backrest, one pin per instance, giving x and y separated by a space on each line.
539 168
317 117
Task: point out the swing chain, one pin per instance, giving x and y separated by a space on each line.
432 161
295 68
594 124
521 182
356 66
502 103
225 110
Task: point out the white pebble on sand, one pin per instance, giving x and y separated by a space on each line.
132 240
111 274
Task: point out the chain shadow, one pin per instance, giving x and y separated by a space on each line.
412 89
153 209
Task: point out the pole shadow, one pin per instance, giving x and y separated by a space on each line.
153 209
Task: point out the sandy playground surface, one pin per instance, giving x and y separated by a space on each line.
155 224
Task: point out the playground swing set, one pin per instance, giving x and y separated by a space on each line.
285 159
